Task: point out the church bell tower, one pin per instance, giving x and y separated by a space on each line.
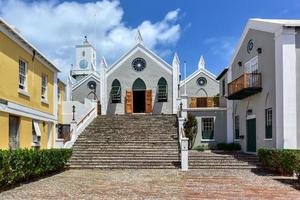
85 60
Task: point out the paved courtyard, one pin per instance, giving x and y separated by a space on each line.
157 184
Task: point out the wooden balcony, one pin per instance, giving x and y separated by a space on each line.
246 85
203 102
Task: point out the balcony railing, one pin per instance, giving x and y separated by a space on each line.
203 102
244 86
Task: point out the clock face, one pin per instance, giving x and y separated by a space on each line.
139 64
201 81
250 46
83 64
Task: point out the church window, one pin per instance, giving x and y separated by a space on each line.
83 53
44 86
22 74
201 81
162 90
139 64
115 93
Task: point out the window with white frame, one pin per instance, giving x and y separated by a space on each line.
36 133
22 74
237 127
268 118
208 128
44 86
252 65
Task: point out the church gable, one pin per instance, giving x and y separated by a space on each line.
200 84
139 51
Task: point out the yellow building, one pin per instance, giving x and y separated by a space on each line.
30 94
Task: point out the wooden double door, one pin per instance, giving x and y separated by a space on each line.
138 101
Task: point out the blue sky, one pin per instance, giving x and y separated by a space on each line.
210 27
190 27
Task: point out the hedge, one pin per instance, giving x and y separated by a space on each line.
283 161
24 164
229 146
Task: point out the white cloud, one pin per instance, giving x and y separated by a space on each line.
55 28
223 47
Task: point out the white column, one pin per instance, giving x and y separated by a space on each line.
184 105
103 91
229 112
285 76
184 154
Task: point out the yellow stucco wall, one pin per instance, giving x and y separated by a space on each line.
25 132
10 53
3 130
61 87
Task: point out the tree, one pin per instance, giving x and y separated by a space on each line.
191 129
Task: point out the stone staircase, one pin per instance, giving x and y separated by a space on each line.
222 160
128 142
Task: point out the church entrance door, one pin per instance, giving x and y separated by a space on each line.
139 105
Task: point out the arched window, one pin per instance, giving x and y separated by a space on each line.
162 90
115 93
139 85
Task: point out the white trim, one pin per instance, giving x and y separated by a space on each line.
268 139
27 46
196 73
250 117
266 25
25 85
207 140
286 102
37 128
23 92
214 118
21 110
144 50
45 87
44 101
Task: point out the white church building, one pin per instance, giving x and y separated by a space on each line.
140 81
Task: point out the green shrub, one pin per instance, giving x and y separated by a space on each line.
283 161
229 146
191 128
24 164
200 148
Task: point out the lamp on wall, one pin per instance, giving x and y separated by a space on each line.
249 112
259 50
240 63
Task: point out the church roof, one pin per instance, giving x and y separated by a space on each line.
13 31
139 46
94 75
201 69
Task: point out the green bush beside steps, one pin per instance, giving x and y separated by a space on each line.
24 164
282 161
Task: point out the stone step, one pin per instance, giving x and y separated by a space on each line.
124 147
128 141
146 154
120 167
224 167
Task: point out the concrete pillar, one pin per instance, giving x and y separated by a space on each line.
184 105
184 154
